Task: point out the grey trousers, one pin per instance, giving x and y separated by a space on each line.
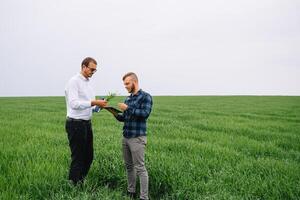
134 158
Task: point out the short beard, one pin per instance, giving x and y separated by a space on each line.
132 88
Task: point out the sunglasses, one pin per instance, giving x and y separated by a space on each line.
92 69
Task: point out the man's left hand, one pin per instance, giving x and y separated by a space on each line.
122 106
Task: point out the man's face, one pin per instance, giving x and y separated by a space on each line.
129 84
90 69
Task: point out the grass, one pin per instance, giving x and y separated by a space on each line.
201 147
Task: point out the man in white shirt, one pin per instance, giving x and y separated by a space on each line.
80 100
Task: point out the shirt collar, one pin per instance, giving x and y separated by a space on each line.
82 77
137 94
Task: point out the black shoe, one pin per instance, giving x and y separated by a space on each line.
132 195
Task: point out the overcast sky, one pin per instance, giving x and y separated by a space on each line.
177 47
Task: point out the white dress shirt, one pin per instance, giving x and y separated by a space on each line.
79 95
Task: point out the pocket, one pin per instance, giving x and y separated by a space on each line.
142 140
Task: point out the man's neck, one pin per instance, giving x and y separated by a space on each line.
84 75
136 91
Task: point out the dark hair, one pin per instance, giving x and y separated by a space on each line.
87 61
133 75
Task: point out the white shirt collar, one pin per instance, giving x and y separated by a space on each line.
82 77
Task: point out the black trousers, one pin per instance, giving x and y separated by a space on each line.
80 136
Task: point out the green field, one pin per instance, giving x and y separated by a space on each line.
202 147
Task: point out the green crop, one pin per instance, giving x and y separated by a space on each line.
199 147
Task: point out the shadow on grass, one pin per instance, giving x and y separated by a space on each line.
158 187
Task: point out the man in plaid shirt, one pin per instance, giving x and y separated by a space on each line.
136 109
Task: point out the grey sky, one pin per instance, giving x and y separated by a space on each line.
184 47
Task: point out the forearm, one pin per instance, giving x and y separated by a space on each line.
80 105
73 99
101 103
141 111
137 112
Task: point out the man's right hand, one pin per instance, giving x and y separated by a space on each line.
100 103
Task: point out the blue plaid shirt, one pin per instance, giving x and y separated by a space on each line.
135 116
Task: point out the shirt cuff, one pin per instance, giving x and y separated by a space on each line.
87 104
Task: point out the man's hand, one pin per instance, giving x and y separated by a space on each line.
122 106
100 103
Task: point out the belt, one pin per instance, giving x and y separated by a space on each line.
69 119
